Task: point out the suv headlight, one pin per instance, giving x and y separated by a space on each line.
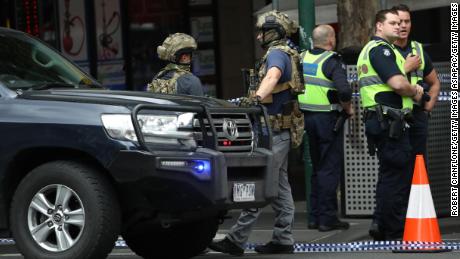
119 126
158 129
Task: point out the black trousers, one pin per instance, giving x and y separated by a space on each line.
396 161
418 131
326 151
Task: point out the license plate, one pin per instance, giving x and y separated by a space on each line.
244 192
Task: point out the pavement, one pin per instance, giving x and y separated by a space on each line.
358 231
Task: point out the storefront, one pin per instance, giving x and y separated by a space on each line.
116 40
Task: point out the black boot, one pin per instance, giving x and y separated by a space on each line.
375 233
337 225
272 248
226 246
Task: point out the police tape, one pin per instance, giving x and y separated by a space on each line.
339 247
371 246
443 96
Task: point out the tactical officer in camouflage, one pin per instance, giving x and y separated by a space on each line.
176 77
280 82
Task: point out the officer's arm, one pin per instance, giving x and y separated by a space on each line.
384 62
402 87
269 82
339 79
435 87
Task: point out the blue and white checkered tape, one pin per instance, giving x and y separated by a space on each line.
444 96
338 247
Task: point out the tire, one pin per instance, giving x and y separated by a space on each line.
179 241
85 226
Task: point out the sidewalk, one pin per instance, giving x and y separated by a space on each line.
358 231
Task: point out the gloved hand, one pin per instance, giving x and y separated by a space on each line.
249 101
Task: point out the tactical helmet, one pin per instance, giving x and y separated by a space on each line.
174 45
278 21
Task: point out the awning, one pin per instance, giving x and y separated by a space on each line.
326 10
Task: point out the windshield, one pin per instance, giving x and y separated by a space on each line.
26 63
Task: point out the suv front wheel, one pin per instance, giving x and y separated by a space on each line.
180 241
64 209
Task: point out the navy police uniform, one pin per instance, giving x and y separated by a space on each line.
418 131
326 146
394 155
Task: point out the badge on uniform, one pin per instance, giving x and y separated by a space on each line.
386 52
310 69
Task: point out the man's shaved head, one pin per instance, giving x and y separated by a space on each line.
322 35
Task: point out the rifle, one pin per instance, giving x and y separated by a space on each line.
250 80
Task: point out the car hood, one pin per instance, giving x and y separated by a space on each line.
125 98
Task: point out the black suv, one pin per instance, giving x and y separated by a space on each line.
81 165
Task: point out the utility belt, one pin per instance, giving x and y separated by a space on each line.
280 122
396 120
290 119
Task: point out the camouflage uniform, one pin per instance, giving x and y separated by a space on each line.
176 78
167 86
294 121
281 125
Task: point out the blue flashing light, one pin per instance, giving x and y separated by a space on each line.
199 167
202 168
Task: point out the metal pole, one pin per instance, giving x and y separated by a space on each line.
306 22
275 5
306 25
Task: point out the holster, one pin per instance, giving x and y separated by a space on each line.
395 120
397 124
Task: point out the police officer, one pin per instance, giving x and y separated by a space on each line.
419 68
387 98
175 77
326 93
280 79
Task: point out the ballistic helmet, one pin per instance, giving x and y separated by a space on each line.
278 21
175 45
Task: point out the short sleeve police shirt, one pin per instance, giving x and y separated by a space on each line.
383 60
428 64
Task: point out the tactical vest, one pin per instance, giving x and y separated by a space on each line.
295 120
295 84
417 75
369 81
167 86
317 85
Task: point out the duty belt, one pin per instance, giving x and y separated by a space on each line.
319 107
396 120
385 109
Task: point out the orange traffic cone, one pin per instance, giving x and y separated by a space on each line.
421 221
